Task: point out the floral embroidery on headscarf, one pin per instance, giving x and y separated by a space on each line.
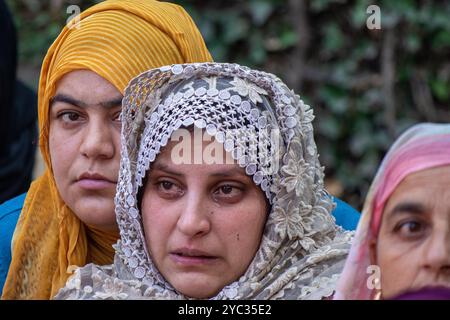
245 88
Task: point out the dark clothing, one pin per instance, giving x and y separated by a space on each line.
18 117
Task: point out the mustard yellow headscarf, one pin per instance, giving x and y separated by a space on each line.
117 39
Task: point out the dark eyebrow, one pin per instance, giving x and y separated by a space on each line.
163 167
229 173
112 103
222 174
67 99
408 207
78 103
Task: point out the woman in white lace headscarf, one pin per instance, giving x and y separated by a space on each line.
267 131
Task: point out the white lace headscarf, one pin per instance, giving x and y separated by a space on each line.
302 251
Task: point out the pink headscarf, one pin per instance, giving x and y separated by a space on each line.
421 147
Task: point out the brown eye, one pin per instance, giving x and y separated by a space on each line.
69 116
166 185
411 229
228 193
169 190
226 189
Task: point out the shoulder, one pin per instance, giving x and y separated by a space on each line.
10 211
9 214
346 216
92 282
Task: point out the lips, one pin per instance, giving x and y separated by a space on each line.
192 257
94 181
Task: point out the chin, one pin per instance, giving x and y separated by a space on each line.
99 214
197 291
198 294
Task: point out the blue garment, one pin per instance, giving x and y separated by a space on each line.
345 215
9 214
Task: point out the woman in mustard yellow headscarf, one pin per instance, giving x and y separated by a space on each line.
117 40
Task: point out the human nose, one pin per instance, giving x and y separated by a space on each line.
98 140
194 219
437 252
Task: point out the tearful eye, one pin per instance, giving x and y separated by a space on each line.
166 185
228 193
70 116
169 190
227 189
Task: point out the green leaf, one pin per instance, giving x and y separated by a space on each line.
329 126
399 7
333 37
441 89
236 28
258 52
412 42
42 20
441 40
358 15
320 5
288 38
260 11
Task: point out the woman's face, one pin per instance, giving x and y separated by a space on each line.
84 142
203 222
413 246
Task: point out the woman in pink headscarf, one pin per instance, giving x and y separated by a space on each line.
402 242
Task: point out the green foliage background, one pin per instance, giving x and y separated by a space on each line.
366 86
